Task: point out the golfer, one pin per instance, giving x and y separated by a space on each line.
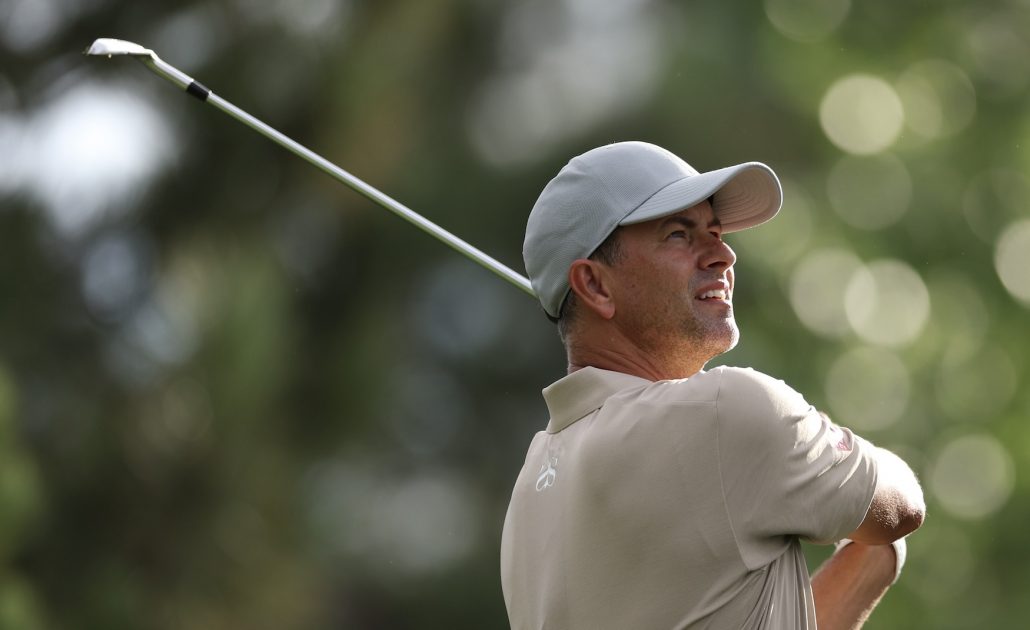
662 495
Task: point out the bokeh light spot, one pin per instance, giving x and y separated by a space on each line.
394 525
89 149
887 303
1012 260
870 192
309 19
960 318
992 199
938 97
428 521
20 605
999 48
29 24
817 289
779 243
570 65
972 476
861 114
806 20
461 310
115 274
868 388
189 37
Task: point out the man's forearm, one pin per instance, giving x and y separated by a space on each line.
849 585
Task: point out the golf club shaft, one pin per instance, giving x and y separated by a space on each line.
194 88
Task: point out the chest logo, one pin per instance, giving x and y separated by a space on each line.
548 473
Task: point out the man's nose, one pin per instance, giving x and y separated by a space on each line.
718 255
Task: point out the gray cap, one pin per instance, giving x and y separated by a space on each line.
626 183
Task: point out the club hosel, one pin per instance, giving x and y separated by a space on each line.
170 72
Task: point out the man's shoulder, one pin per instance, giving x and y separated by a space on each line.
749 379
747 393
729 380
717 386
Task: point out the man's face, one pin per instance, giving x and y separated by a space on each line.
673 285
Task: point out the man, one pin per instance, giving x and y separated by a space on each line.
662 495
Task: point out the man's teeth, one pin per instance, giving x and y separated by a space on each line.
714 293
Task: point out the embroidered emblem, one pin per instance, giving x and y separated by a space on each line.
548 475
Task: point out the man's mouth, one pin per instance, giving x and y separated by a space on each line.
721 295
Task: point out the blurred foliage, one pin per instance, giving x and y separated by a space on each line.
234 394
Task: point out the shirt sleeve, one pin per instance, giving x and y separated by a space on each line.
786 469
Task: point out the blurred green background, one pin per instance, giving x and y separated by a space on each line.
235 394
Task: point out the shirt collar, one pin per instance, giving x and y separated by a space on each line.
583 392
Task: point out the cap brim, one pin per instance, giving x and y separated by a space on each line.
745 195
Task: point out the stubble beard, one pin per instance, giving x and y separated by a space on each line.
711 337
689 338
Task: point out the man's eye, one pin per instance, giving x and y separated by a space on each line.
678 234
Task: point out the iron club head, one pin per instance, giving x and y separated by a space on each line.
108 47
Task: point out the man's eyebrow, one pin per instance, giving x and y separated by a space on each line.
688 223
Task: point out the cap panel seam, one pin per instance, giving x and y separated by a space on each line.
608 231
587 167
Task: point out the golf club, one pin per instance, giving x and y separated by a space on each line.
117 47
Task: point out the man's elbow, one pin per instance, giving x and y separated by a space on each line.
892 515
898 503
910 518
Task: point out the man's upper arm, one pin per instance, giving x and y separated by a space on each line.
897 508
787 469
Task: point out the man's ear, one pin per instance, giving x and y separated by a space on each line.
590 283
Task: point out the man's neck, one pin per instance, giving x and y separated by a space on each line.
629 359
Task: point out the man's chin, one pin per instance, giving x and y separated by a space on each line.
724 339
731 342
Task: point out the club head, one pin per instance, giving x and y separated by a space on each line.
110 47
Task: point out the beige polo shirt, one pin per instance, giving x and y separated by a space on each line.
677 504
